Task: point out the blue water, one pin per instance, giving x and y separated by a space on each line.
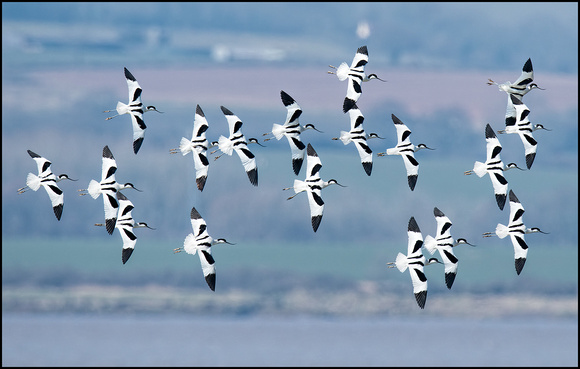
187 340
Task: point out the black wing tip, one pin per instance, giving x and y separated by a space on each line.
368 167
126 254
199 111
310 150
128 75
253 176
513 197
137 145
528 66
120 196
489 133
316 222
33 154
200 182
437 212
520 262
500 199
348 104
413 226
194 213
226 111
412 181
530 159
107 152
210 279
296 165
286 99
58 210
421 298
449 278
363 50
110 225
515 100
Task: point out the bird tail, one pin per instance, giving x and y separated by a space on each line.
344 137
33 181
501 231
401 262
278 131
342 71
479 169
430 244
184 146
189 244
94 189
122 108
225 145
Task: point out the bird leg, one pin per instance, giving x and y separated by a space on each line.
491 82
176 250
173 151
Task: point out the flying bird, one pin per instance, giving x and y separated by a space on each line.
494 167
358 135
201 242
519 88
125 224
522 126
108 187
198 147
237 141
415 261
313 186
292 130
135 108
356 76
516 230
406 149
48 180
444 243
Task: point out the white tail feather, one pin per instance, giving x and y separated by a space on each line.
185 146
33 181
501 231
401 262
479 169
342 71
94 189
189 244
430 244
278 131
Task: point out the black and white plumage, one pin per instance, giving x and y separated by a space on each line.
415 261
237 141
522 126
516 230
108 187
48 180
201 242
444 243
198 147
519 88
135 108
356 76
358 135
292 130
125 224
494 167
407 150
313 186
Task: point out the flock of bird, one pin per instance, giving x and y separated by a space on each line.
118 208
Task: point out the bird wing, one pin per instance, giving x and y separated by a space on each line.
403 132
524 129
527 75
234 123
56 196
365 152
415 240
356 118
361 58
248 161
297 148
292 106
443 226
125 222
42 164
493 146
200 125
315 203
313 164
138 129
134 88
109 166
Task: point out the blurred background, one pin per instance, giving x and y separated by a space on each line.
62 66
